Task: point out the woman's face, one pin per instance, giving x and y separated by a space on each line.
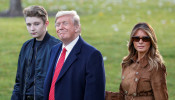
141 41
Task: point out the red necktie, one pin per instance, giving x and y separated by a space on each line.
56 74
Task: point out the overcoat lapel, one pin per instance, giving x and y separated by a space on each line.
55 55
71 58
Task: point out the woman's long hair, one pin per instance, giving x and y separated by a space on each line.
154 57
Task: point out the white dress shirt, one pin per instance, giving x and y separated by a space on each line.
68 48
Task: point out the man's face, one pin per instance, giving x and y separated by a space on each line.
36 27
65 28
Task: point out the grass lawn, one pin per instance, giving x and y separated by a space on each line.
106 24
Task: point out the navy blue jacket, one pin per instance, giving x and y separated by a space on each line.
82 76
41 67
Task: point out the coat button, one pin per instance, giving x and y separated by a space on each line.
134 94
123 77
136 79
137 73
126 92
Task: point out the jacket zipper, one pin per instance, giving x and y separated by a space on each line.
24 92
34 73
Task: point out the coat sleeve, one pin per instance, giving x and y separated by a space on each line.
121 91
158 82
95 77
16 90
113 95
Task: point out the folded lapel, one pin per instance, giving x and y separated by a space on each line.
55 54
71 58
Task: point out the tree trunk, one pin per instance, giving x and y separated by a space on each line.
15 9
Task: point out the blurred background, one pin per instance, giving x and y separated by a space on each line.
106 24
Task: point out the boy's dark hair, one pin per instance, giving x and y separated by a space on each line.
36 11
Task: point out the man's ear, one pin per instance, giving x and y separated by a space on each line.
47 23
77 28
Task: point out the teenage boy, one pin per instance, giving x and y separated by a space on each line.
34 56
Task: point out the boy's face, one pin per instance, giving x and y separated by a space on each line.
36 27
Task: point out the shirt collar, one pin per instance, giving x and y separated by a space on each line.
143 61
70 45
45 39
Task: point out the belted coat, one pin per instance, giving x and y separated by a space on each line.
139 82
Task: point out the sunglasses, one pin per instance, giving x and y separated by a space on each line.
144 38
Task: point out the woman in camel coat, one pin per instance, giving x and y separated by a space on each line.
143 70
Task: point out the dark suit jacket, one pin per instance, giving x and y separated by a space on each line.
82 76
